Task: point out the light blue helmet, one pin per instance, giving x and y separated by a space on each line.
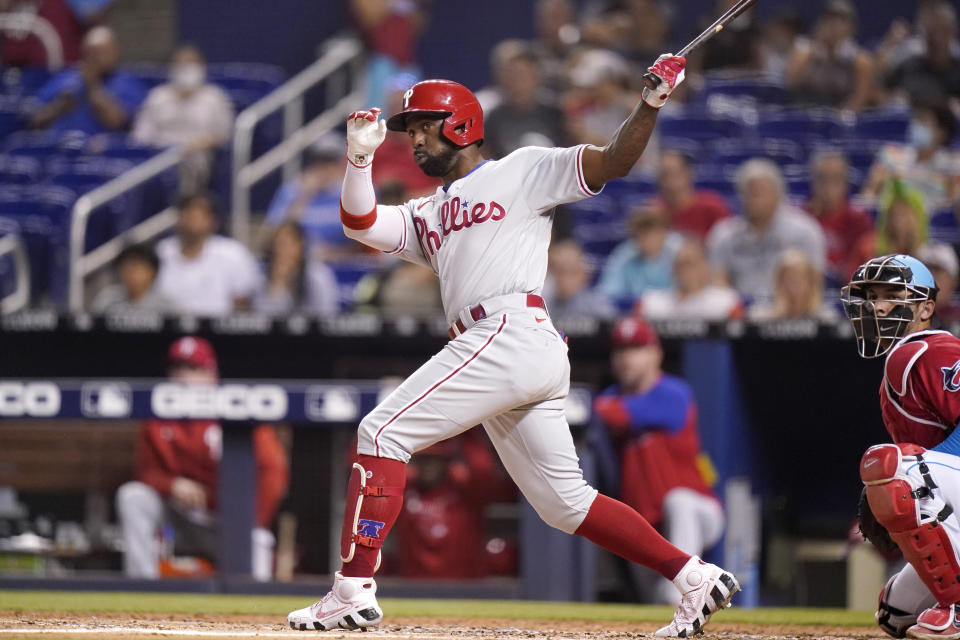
912 283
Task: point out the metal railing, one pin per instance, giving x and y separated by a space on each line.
40 27
21 294
81 264
340 67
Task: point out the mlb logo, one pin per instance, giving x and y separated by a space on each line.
106 400
332 404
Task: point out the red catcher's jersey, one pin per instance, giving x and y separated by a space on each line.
920 392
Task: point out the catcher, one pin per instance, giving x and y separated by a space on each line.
911 485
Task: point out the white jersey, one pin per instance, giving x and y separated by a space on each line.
487 234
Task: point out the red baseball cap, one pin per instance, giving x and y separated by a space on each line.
193 351
634 332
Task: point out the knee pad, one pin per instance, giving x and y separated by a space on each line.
912 513
365 519
893 620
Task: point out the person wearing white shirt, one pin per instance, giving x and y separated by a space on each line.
205 274
187 111
692 296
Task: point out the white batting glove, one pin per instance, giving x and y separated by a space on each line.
669 71
365 132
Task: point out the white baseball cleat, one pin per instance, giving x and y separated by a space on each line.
705 589
351 604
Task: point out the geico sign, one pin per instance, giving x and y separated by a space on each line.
226 402
35 399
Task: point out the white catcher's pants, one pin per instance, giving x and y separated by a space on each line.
908 592
510 373
141 511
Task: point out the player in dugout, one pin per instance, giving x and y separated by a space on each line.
912 485
176 479
650 419
485 232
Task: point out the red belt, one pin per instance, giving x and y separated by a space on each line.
478 313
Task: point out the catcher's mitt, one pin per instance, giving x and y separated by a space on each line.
871 529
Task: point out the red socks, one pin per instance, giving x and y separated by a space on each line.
619 529
382 500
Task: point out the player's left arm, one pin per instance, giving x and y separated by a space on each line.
600 165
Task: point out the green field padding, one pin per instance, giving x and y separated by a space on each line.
170 603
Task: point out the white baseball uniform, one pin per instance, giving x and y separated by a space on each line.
486 236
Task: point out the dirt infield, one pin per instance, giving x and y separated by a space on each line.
50 626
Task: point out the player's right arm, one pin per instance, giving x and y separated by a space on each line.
617 158
386 228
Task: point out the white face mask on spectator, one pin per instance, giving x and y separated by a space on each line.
920 135
188 76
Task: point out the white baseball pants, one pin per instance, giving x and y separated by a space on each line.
141 511
510 373
907 591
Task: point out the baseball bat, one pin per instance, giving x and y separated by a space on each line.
731 14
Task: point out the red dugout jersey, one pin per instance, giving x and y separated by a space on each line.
167 449
920 392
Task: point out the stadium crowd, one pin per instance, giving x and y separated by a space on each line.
792 153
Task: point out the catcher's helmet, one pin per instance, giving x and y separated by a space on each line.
876 335
445 99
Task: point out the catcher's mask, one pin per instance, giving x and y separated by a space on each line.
905 282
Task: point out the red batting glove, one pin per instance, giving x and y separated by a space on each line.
670 71
369 114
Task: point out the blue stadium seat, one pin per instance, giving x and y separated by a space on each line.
944 227
736 151
119 145
42 213
882 124
45 143
697 125
16 169
150 75
17 81
801 124
83 173
348 274
763 90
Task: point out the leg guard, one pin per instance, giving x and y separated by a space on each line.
910 510
371 510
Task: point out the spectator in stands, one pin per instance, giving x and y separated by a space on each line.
394 161
557 32
644 261
390 29
177 484
779 37
312 200
600 99
737 49
651 420
491 96
204 273
441 532
932 74
405 289
693 294
635 29
567 290
745 249
187 111
830 68
525 117
797 292
69 19
93 96
925 163
843 223
691 211
136 267
294 283
902 225
941 259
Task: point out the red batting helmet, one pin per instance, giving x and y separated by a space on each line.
445 99
634 332
192 351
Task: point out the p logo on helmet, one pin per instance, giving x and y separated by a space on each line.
450 101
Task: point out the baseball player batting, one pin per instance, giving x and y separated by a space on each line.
911 485
485 233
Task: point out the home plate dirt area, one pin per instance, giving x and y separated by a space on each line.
109 626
